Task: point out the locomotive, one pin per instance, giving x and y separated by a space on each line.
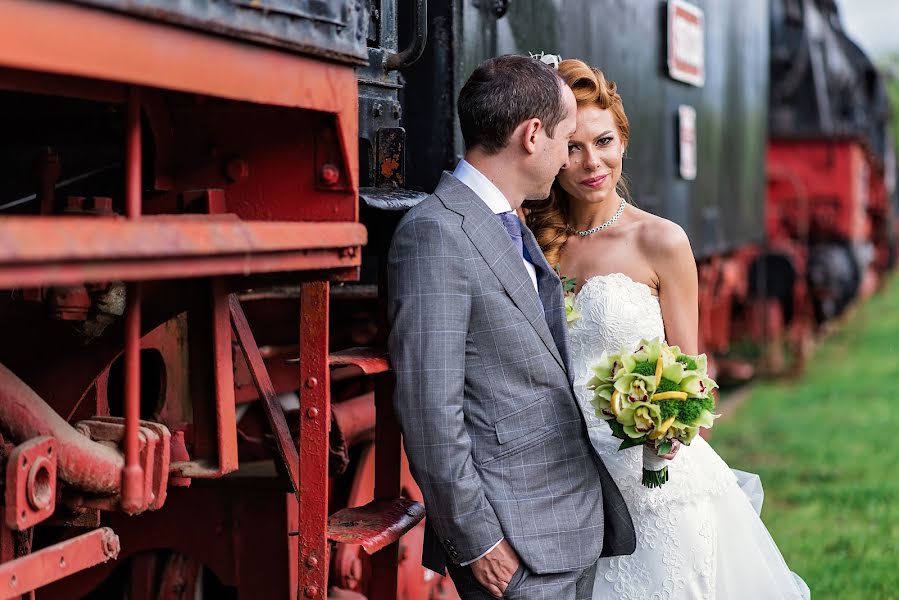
195 208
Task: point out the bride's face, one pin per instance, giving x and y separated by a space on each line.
594 157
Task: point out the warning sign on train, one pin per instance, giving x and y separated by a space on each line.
686 43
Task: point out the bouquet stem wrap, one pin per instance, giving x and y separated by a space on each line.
655 468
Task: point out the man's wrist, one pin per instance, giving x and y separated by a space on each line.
489 550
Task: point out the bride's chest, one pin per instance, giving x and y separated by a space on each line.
614 311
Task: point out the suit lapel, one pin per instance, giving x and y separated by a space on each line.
488 235
550 294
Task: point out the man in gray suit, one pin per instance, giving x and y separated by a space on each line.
518 504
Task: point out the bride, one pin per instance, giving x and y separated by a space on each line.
698 535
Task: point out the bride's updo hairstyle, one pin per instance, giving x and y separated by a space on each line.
548 219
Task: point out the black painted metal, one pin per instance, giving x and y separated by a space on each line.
721 209
822 84
334 29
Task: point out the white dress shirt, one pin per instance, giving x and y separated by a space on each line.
496 202
492 197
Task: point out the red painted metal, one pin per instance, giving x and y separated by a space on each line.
50 564
70 250
212 387
314 386
375 525
388 464
831 176
354 420
370 360
81 462
30 494
132 474
154 448
286 447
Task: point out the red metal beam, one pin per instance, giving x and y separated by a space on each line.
45 566
313 443
36 251
286 447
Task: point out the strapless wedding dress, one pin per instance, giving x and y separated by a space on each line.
698 536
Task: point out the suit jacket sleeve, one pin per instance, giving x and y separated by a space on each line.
429 308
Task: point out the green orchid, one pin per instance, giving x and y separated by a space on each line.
635 387
604 369
697 386
602 401
639 418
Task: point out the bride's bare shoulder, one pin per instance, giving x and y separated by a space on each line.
658 236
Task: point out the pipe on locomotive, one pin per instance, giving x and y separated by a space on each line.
81 462
133 473
410 54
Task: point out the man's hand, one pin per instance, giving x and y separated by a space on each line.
494 570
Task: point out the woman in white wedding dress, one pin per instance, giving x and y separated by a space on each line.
698 536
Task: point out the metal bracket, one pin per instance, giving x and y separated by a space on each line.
31 483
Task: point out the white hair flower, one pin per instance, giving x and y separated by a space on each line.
552 60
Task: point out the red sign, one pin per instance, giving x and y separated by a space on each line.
686 43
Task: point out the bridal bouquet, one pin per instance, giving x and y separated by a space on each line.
652 397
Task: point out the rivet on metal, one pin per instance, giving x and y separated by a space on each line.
311 382
312 412
311 562
311 591
330 174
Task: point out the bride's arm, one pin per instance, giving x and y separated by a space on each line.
675 267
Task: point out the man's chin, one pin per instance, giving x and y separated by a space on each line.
540 194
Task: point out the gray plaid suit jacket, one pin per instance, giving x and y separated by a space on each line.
493 433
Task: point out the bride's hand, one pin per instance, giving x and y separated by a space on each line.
675 446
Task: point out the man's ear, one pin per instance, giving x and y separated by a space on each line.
529 131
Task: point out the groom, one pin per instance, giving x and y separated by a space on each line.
518 505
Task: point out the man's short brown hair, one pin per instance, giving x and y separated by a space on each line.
502 93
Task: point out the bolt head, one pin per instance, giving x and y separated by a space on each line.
312 412
330 174
310 591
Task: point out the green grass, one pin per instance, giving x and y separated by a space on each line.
827 448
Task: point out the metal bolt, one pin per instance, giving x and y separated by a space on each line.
62 562
330 174
311 562
377 110
311 591
397 112
13 581
311 382
312 412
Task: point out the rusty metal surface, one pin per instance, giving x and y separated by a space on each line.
30 494
286 446
315 416
81 462
212 389
153 460
60 251
121 49
50 564
370 360
375 525
334 29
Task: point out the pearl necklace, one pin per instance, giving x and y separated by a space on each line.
606 224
